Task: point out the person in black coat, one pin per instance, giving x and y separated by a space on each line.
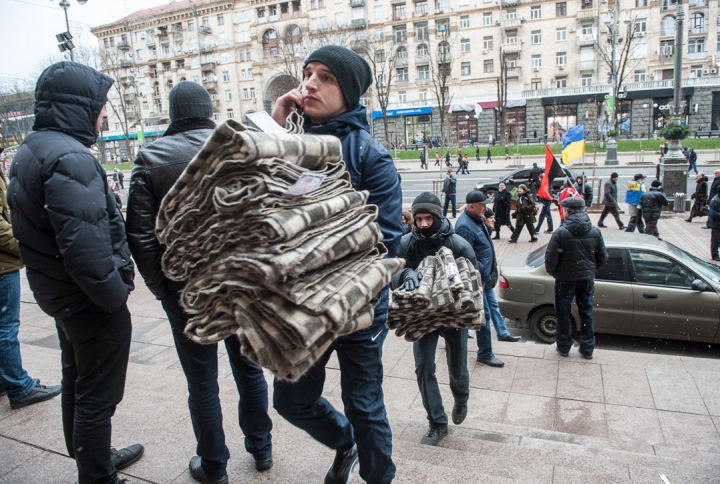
573 255
700 197
534 178
524 215
501 207
156 170
714 188
584 189
72 241
650 205
714 223
611 203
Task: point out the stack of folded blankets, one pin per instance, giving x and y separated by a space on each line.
287 273
449 296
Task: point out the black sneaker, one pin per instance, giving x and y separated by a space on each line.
434 436
198 473
263 465
562 353
342 469
459 412
38 394
126 457
3 392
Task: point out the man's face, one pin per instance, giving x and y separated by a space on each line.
501 186
717 173
477 209
424 220
449 174
490 222
101 117
322 96
614 180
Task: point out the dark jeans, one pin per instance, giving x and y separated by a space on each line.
714 242
545 213
636 220
651 227
449 199
583 292
13 377
456 352
518 230
200 365
365 420
95 347
614 211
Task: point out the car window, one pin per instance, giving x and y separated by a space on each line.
710 271
614 270
521 174
658 270
536 258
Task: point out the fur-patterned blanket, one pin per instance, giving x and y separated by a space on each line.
287 274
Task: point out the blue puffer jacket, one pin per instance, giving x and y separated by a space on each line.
635 189
474 231
378 176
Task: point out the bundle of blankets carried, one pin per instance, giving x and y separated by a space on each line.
287 273
449 296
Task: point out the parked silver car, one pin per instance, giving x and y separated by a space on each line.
648 288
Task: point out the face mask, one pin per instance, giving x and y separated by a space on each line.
432 230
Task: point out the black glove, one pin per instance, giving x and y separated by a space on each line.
411 281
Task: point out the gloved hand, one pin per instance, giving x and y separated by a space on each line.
411 281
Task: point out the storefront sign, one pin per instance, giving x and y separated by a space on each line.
393 113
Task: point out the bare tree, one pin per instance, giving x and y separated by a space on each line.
501 87
382 58
440 66
16 111
123 95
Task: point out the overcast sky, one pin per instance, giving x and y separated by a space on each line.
29 28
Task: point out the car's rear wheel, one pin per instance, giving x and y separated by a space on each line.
544 324
490 194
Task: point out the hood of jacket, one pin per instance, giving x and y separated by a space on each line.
353 118
578 224
701 180
68 98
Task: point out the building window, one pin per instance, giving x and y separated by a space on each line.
421 8
402 74
222 38
536 84
422 50
422 95
106 42
400 34
535 12
221 19
464 45
465 69
423 72
339 19
216 116
536 60
230 113
194 62
224 57
378 12
639 75
696 46
641 3
112 41
696 71
399 12
536 37
510 14
465 21
586 29
421 31
245 93
641 25
191 25
561 58
250 73
226 76
206 21
561 82
488 66
402 97
138 54
488 42
561 35
561 9
228 95
586 80
158 106
487 18
252 92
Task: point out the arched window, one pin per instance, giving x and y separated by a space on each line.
270 43
292 34
402 53
667 26
422 50
696 23
169 85
443 48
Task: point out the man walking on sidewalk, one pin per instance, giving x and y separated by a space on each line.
576 250
545 212
610 202
635 190
72 241
450 191
489 156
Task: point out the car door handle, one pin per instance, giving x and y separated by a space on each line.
649 295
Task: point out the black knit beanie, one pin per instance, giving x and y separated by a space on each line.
352 71
426 202
190 100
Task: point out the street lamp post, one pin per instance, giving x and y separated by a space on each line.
673 163
613 32
66 43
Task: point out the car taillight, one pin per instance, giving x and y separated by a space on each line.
503 282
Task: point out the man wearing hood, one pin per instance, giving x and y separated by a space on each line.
432 232
334 78
156 170
72 241
651 204
576 250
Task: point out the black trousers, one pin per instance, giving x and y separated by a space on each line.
95 347
518 229
714 242
614 211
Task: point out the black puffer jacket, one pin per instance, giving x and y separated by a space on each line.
414 248
70 232
575 250
156 170
652 202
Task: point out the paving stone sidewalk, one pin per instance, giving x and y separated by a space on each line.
621 417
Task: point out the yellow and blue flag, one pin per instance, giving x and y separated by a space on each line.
573 143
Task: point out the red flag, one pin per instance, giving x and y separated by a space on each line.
552 171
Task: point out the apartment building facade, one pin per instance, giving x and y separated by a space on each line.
248 52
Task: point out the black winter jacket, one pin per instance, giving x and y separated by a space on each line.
610 196
71 234
714 188
502 206
414 248
575 250
156 170
714 212
651 203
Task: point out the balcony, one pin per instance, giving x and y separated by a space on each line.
357 3
513 72
149 42
587 14
156 95
511 48
697 30
360 46
698 3
358 23
211 86
126 63
585 40
206 49
177 34
511 3
123 46
401 61
205 30
587 65
215 103
696 56
511 23
129 97
207 66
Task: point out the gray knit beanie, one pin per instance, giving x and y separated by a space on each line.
190 100
352 71
426 202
